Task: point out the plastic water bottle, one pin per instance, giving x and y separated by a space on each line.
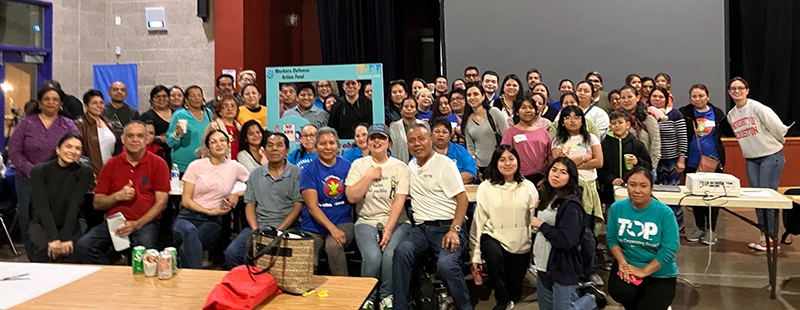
175 178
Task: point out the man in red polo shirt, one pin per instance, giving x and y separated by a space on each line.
135 183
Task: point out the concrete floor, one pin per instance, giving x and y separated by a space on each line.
736 278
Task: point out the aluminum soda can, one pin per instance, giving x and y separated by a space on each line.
137 259
165 265
151 263
174 252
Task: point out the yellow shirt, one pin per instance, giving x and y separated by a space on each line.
245 115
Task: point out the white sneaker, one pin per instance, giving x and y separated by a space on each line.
387 303
754 245
596 279
510 305
368 305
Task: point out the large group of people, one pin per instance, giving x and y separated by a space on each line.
546 173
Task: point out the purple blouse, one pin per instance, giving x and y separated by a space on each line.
32 143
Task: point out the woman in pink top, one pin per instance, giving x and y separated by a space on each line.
207 195
531 141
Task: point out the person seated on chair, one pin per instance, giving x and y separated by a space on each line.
326 212
272 197
378 184
58 188
134 183
501 227
439 208
207 196
442 136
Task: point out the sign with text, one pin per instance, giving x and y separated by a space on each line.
291 125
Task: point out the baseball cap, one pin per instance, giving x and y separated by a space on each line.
379 129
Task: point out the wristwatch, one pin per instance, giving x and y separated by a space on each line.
456 228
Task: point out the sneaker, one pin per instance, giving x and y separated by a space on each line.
590 289
761 240
387 303
607 265
709 238
596 280
695 235
762 246
368 305
510 305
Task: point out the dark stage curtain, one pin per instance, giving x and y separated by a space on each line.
358 31
771 55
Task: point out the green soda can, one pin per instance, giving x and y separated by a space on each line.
174 259
138 259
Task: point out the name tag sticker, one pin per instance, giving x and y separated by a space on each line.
519 138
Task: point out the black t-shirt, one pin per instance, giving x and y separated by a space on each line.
346 116
120 117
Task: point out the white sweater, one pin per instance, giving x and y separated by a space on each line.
758 129
504 212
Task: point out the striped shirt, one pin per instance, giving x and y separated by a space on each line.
673 135
314 116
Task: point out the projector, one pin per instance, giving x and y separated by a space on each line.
712 184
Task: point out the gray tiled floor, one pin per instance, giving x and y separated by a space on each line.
736 277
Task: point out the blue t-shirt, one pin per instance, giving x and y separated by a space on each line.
329 184
424 116
463 160
453 120
352 154
301 161
319 103
556 105
706 132
645 235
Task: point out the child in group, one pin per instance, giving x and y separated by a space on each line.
621 152
151 145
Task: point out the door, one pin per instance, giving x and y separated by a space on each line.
20 75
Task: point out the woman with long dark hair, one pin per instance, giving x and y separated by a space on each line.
634 80
645 127
501 227
251 146
32 142
441 108
307 152
648 84
760 133
532 141
510 94
643 275
58 188
556 249
399 129
483 126
573 141
398 90
665 81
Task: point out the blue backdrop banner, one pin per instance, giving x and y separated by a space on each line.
106 74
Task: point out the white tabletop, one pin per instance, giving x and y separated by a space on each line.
748 199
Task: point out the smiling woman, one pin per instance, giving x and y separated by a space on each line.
57 188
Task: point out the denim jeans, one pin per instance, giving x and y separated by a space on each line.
374 262
765 172
335 251
96 243
23 188
556 296
194 232
236 251
425 237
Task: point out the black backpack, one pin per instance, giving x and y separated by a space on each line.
791 217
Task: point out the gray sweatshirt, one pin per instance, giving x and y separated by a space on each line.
758 129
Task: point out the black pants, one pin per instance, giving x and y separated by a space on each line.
651 294
506 270
701 217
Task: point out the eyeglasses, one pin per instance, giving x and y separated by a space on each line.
737 88
456 98
306 136
471 75
160 96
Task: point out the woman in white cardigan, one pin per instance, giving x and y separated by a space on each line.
501 228
398 129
